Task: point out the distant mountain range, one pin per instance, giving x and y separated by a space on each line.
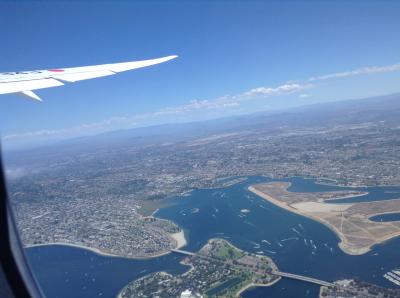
382 108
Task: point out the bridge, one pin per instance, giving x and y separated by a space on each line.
304 278
193 254
183 252
279 273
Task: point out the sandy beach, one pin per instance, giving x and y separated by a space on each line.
320 207
250 285
343 243
180 239
95 250
359 241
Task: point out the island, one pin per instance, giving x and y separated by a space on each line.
350 221
218 269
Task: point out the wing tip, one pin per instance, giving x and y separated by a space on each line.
166 58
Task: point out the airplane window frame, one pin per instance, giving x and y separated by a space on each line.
16 278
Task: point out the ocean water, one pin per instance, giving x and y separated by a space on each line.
297 245
65 271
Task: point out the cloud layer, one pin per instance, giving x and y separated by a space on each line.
358 72
193 106
227 102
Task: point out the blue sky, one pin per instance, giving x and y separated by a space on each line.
234 57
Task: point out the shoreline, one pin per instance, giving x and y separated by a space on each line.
330 201
355 186
252 285
238 293
343 245
383 213
92 249
335 182
178 237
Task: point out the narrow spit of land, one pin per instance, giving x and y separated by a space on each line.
350 221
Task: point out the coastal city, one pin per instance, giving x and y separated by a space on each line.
103 227
106 198
74 185
200 149
357 288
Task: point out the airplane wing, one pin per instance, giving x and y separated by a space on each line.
23 82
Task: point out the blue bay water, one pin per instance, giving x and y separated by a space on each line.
386 217
297 244
65 271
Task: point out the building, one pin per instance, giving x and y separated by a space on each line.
189 294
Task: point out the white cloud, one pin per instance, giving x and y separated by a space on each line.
358 71
84 129
283 89
304 95
193 106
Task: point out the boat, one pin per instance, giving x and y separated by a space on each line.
392 275
397 272
388 277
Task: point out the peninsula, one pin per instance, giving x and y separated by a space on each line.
350 221
109 227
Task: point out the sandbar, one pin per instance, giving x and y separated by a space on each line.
350 222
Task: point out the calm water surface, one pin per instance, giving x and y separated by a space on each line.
297 244
386 217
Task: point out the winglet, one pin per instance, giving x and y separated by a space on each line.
31 95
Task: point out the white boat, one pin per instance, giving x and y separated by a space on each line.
396 282
397 272
270 251
388 277
393 276
297 232
290 238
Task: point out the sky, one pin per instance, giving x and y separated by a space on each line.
235 57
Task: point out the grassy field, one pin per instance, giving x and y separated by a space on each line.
226 251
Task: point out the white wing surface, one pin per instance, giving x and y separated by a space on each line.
24 82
